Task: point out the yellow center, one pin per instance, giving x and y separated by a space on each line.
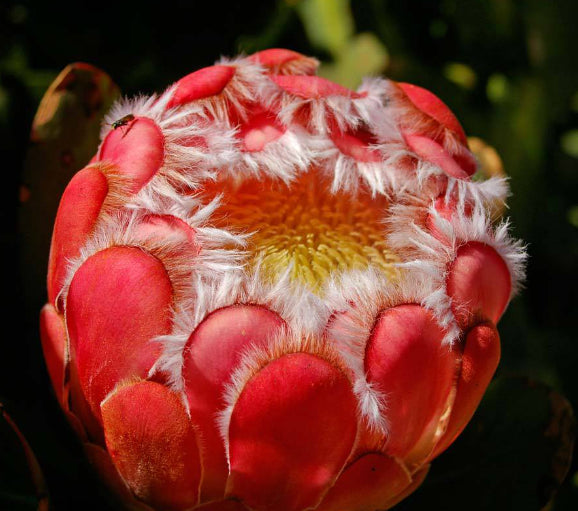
306 227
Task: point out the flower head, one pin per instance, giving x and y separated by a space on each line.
271 292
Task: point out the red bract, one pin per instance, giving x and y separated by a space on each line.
269 292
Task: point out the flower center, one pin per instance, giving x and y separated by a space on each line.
305 227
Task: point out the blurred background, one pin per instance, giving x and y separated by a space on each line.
507 68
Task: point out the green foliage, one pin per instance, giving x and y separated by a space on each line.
328 23
364 55
330 27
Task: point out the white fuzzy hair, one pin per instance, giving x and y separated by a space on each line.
250 84
357 298
220 276
188 166
347 111
285 342
424 252
304 312
183 164
413 120
301 65
489 194
381 178
121 229
282 159
376 95
416 121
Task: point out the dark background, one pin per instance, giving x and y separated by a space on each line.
507 68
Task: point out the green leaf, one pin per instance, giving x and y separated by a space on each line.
461 74
497 88
569 143
364 56
329 23
513 455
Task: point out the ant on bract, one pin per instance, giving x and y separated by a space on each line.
123 121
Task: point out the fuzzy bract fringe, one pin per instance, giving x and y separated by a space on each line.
203 146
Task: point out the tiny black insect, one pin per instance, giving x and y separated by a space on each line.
123 121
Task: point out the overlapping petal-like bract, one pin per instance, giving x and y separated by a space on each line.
269 292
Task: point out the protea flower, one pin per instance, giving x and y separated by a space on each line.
269 292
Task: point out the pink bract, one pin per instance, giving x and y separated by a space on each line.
269 292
